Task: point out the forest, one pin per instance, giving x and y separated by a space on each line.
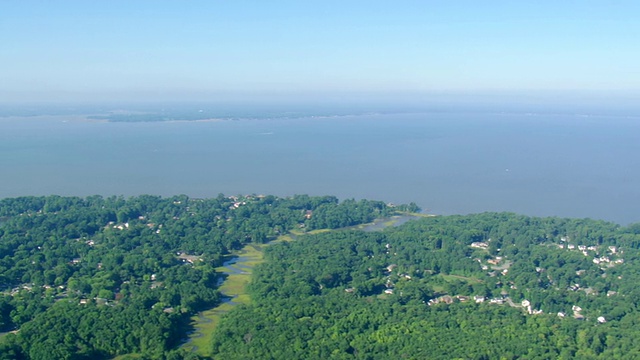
485 286
94 277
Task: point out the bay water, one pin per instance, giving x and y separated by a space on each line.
448 163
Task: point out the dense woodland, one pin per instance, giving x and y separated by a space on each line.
487 286
90 278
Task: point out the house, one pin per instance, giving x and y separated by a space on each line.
479 245
388 291
391 267
601 319
101 301
447 299
189 258
479 299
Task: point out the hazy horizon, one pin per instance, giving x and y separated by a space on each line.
588 103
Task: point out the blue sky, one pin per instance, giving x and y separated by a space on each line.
114 50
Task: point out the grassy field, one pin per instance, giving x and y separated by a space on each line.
312 232
422 215
450 278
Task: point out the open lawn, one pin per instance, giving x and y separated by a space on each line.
449 278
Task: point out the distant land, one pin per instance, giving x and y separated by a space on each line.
292 109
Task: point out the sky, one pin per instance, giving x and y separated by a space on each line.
140 50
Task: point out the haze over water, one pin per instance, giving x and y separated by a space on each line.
448 163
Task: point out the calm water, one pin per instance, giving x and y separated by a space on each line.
447 163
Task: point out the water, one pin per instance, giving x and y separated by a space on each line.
564 165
